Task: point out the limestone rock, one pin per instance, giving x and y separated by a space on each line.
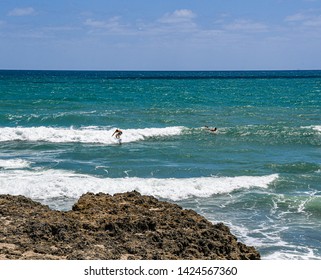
123 226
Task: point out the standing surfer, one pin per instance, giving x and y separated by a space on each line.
117 133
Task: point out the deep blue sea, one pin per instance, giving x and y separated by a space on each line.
259 173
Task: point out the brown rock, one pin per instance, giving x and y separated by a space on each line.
123 226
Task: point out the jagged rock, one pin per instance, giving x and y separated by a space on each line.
123 226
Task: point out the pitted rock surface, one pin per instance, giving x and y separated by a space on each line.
122 226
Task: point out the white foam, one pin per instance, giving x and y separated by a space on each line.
293 253
14 163
314 127
55 183
83 135
317 128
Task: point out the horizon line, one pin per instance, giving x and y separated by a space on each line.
141 70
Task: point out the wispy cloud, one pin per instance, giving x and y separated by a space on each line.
179 21
246 26
18 12
305 19
178 26
178 16
109 24
296 17
313 22
112 25
182 21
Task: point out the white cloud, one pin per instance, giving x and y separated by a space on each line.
18 12
178 16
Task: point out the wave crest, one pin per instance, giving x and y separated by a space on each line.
57 183
83 135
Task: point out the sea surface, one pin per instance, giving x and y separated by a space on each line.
259 173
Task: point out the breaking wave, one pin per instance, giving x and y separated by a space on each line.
48 184
83 135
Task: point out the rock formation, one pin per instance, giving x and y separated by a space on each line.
123 226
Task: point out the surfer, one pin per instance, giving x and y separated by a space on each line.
117 133
214 129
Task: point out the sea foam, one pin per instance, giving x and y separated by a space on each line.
317 128
14 163
48 184
83 135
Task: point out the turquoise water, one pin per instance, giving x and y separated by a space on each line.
260 172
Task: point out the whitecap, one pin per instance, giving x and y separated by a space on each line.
47 184
14 163
83 135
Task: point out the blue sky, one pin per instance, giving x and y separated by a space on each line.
160 34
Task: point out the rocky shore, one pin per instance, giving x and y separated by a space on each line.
122 226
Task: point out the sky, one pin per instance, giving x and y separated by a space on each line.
160 34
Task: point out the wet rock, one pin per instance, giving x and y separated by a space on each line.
122 226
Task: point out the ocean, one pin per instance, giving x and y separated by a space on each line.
259 173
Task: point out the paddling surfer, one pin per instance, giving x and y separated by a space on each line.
210 128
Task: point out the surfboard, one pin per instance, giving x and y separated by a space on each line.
117 141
